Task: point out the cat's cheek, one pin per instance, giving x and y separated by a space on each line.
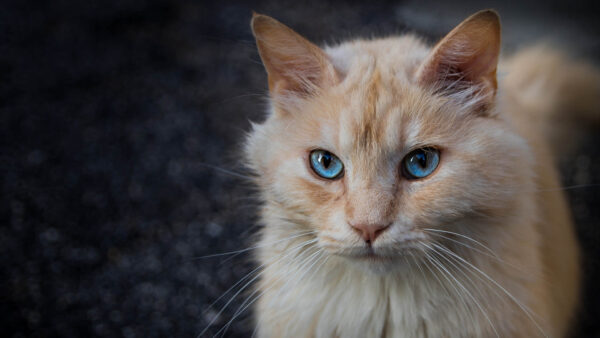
408 214
430 202
283 166
315 195
333 223
333 231
328 207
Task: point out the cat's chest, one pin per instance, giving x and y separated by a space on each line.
334 303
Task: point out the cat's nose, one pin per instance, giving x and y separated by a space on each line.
368 231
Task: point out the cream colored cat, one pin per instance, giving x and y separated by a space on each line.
407 193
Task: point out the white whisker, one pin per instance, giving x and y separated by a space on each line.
291 251
468 293
463 236
495 257
317 269
525 309
249 300
224 171
416 261
462 269
477 303
256 247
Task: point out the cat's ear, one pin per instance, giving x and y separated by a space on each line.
464 62
294 65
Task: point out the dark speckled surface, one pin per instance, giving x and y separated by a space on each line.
110 112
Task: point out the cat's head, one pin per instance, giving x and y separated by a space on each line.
376 145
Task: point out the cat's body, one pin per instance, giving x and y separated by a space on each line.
371 102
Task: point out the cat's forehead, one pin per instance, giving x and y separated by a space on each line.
396 58
376 121
376 91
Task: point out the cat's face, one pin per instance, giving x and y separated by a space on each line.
372 113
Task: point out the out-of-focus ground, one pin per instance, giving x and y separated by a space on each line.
110 112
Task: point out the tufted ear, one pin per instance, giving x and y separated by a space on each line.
294 65
464 61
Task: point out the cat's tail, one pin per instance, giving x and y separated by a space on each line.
559 93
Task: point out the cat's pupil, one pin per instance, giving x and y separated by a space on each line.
325 160
421 159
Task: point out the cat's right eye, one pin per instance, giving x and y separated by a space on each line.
326 164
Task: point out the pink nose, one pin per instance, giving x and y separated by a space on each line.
369 231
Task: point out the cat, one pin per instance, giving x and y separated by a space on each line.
409 192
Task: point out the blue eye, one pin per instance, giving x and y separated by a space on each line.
326 164
420 163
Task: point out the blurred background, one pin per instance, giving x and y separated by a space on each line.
112 116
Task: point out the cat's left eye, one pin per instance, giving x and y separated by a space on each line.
326 164
420 163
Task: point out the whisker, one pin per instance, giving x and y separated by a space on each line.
443 285
233 287
241 96
460 268
463 236
468 293
565 188
291 251
284 287
416 261
518 268
245 277
517 302
477 303
298 271
248 302
439 266
225 171
255 247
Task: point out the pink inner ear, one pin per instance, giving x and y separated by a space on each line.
294 64
296 70
467 56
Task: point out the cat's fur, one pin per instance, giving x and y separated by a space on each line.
372 101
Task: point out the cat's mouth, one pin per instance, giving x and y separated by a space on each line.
374 261
381 258
380 251
370 254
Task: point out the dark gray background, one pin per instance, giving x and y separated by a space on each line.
110 112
